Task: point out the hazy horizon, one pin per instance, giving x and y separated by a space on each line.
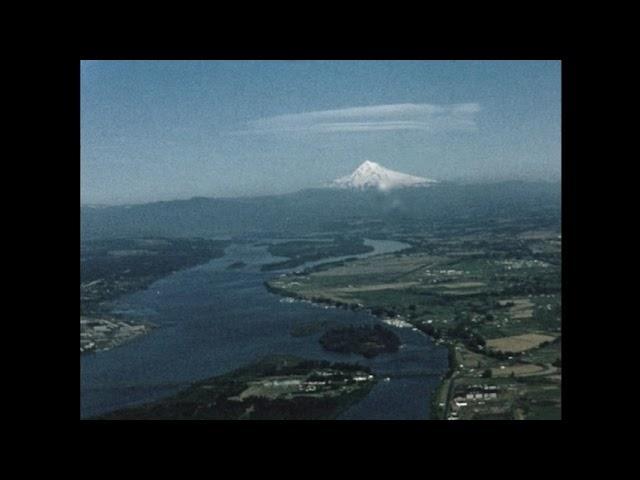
163 130
258 195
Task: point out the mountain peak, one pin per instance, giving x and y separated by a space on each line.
373 175
368 164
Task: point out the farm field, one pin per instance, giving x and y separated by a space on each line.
494 296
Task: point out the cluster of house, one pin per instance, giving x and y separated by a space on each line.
98 334
312 385
515 264
474 393
86 345
450 272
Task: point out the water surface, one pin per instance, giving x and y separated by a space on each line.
212 320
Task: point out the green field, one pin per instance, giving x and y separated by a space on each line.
495 283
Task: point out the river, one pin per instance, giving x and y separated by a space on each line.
212 320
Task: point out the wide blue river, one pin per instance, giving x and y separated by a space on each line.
212 320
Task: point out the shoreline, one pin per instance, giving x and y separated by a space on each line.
323 302
276 387
490 379
105 333
441 402
107 330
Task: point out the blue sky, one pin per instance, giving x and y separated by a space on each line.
158 130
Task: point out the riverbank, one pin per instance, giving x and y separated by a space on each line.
226 318
499 320
102 334
113 268
274 388
436 411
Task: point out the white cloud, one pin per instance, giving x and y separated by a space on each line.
402 116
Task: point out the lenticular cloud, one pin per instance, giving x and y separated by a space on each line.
402 116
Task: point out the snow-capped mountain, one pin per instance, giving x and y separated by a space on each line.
372 175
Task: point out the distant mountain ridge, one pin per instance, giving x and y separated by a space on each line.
373 175
316 209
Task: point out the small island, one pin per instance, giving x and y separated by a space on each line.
299 252
275 388
364 340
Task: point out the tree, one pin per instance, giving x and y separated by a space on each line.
486 373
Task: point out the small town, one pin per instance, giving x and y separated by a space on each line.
97 334
473 395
